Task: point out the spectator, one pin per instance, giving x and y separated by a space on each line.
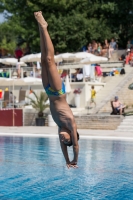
112 47
104 50
112 73
4 74
79 75
6 89
106 44
1 93
89 47
118 105
99 48
129 56
129 45
63 74
18 68
12 98
18 52
131 62
74 75
27 50
25 74
113 44
93 96
31 91
84 48
94 47
131 41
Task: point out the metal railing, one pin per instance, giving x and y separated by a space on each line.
12 72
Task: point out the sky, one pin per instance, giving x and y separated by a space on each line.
1 18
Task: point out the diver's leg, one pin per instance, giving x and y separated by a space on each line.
44 68
47 58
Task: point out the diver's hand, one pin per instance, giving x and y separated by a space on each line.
67 165
73 164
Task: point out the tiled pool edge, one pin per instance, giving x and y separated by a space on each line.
44 135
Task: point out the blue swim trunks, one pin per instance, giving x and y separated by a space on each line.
50 91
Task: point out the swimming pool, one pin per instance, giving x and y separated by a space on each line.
34 169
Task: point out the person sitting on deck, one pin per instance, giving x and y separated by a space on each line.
118 106
4 74
129 56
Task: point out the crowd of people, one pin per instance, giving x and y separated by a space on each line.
105 49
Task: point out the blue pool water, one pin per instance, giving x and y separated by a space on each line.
34 169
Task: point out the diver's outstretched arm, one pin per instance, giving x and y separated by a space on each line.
65 152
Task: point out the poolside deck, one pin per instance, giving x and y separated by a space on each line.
33 131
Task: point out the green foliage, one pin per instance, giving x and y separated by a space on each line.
40 103
72 23
8 35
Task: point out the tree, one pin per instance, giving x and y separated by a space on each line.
73 23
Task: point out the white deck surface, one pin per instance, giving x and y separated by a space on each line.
35 131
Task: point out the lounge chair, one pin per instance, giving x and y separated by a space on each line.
6 98
22 94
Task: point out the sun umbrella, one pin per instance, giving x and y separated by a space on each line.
24 81
28 58
37 57
83 55
64 57
68 56
58 58
11 61
94 59
32 80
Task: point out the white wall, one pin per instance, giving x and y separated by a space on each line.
85 94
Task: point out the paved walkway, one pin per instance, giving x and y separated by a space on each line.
36 131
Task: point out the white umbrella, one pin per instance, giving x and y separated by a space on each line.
22 64
83 55
32 80
67 56
11 61
28 58
24 81
37 57
94 59
64 56
58 58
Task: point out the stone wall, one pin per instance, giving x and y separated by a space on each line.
98 122
117 54
107 122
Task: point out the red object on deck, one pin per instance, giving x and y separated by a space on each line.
6 117
0 94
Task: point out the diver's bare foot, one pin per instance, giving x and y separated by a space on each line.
40 19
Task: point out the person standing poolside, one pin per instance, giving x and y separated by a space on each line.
93 96
55 90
